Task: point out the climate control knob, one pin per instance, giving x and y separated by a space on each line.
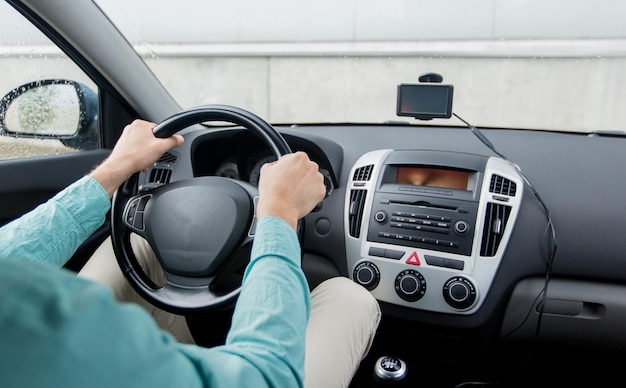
410 285
367 275
459 292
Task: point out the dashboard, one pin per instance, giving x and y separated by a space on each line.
443 231
240 155
425 230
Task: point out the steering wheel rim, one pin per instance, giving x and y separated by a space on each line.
192 256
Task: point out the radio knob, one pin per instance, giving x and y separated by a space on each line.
459 292
410 285
461 227
380 216
367 275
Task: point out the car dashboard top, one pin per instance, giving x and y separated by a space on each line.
429 219
240 155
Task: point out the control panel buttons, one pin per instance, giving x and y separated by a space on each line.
410 285
444 262
422 224
386 253
367 275
134 211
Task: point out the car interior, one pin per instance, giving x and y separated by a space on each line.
497 254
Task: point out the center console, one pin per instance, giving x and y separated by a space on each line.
428 229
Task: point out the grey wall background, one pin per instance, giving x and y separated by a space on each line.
499 54
193 21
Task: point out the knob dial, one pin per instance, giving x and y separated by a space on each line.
461 227
380 216
459 292
367 275
410 285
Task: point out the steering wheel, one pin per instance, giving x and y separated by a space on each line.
200 229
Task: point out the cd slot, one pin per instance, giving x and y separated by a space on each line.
425 204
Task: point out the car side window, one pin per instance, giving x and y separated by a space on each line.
49 106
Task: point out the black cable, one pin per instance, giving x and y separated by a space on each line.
548 246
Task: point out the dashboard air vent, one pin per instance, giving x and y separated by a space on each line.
363 173
167 158
500 185
355 215
160 175
496 218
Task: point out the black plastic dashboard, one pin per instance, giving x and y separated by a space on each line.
240 155
431 283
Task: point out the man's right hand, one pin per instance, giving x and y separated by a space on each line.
290 188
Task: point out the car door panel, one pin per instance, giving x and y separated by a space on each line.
28 182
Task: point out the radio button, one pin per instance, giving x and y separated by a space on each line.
380 252
393 254
386 253
444 262
454 264
380 216
434 260
461 227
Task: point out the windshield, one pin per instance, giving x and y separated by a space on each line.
557 65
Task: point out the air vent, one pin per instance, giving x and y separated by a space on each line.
496 218
355 215
167 158
500 185
363 173
160 175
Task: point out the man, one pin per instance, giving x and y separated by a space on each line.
58 329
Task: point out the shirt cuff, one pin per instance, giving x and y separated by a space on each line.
274 236
94 202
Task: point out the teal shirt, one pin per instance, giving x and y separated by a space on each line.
59 330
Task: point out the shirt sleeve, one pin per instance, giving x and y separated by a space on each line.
55 229
61 330
266 343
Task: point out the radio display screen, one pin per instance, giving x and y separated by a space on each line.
435 177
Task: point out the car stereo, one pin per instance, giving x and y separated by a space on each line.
427 229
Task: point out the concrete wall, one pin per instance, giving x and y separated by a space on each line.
563 93
518 92
237 21
511 64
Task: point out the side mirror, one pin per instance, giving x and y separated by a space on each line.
53 108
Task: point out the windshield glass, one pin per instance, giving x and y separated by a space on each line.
557 65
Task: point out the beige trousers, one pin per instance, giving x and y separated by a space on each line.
342 324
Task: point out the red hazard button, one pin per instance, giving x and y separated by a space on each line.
413 259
